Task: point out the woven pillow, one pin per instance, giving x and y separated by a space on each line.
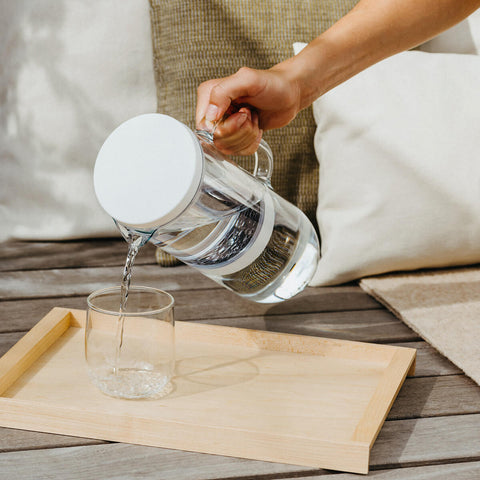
205 39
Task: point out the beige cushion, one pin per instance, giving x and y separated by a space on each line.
197 41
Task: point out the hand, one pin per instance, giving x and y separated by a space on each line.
261 100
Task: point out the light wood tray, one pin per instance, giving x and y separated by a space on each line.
245 393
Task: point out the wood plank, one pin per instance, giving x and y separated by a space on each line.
401 443
430 362
197 305
12 440
427 440
363 325
22 315
20 255
455 471
378 326
120 461
436 396
82 281
7 340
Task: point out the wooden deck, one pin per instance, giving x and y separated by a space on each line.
432 431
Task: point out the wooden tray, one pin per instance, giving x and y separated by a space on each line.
244 393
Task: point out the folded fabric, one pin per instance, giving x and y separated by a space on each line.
398 147
443 306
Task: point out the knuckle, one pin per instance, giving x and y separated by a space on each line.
203 86
206 86
218 91
246 72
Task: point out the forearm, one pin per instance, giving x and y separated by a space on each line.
372 31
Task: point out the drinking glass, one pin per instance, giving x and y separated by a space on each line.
130 353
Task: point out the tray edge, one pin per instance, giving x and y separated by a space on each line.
18 359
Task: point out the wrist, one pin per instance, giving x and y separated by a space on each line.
315 70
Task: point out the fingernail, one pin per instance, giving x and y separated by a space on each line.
242 118
211 113
247 112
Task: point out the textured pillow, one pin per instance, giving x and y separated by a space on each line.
398 147
197 41
70 73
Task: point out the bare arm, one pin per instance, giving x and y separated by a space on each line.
372 31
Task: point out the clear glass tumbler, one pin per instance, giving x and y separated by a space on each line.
130 354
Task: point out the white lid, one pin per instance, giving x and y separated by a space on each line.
148 170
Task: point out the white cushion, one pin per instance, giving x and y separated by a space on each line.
399 153
462 38
71 73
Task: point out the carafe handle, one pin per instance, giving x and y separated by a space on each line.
263 163
263 157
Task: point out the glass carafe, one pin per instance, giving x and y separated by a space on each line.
158 178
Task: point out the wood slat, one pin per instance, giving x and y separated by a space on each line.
452 471
197 305
400 443
12 440
427 440
76 282
367 326
22 315
7 340
120 461
436 396
18 255
429 361
377 326
82 281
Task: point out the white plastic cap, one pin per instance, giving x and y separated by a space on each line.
148 170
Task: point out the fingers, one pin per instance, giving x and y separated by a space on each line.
203 99
215 96
239 134
243 84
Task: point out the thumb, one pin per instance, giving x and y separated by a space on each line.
236 88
